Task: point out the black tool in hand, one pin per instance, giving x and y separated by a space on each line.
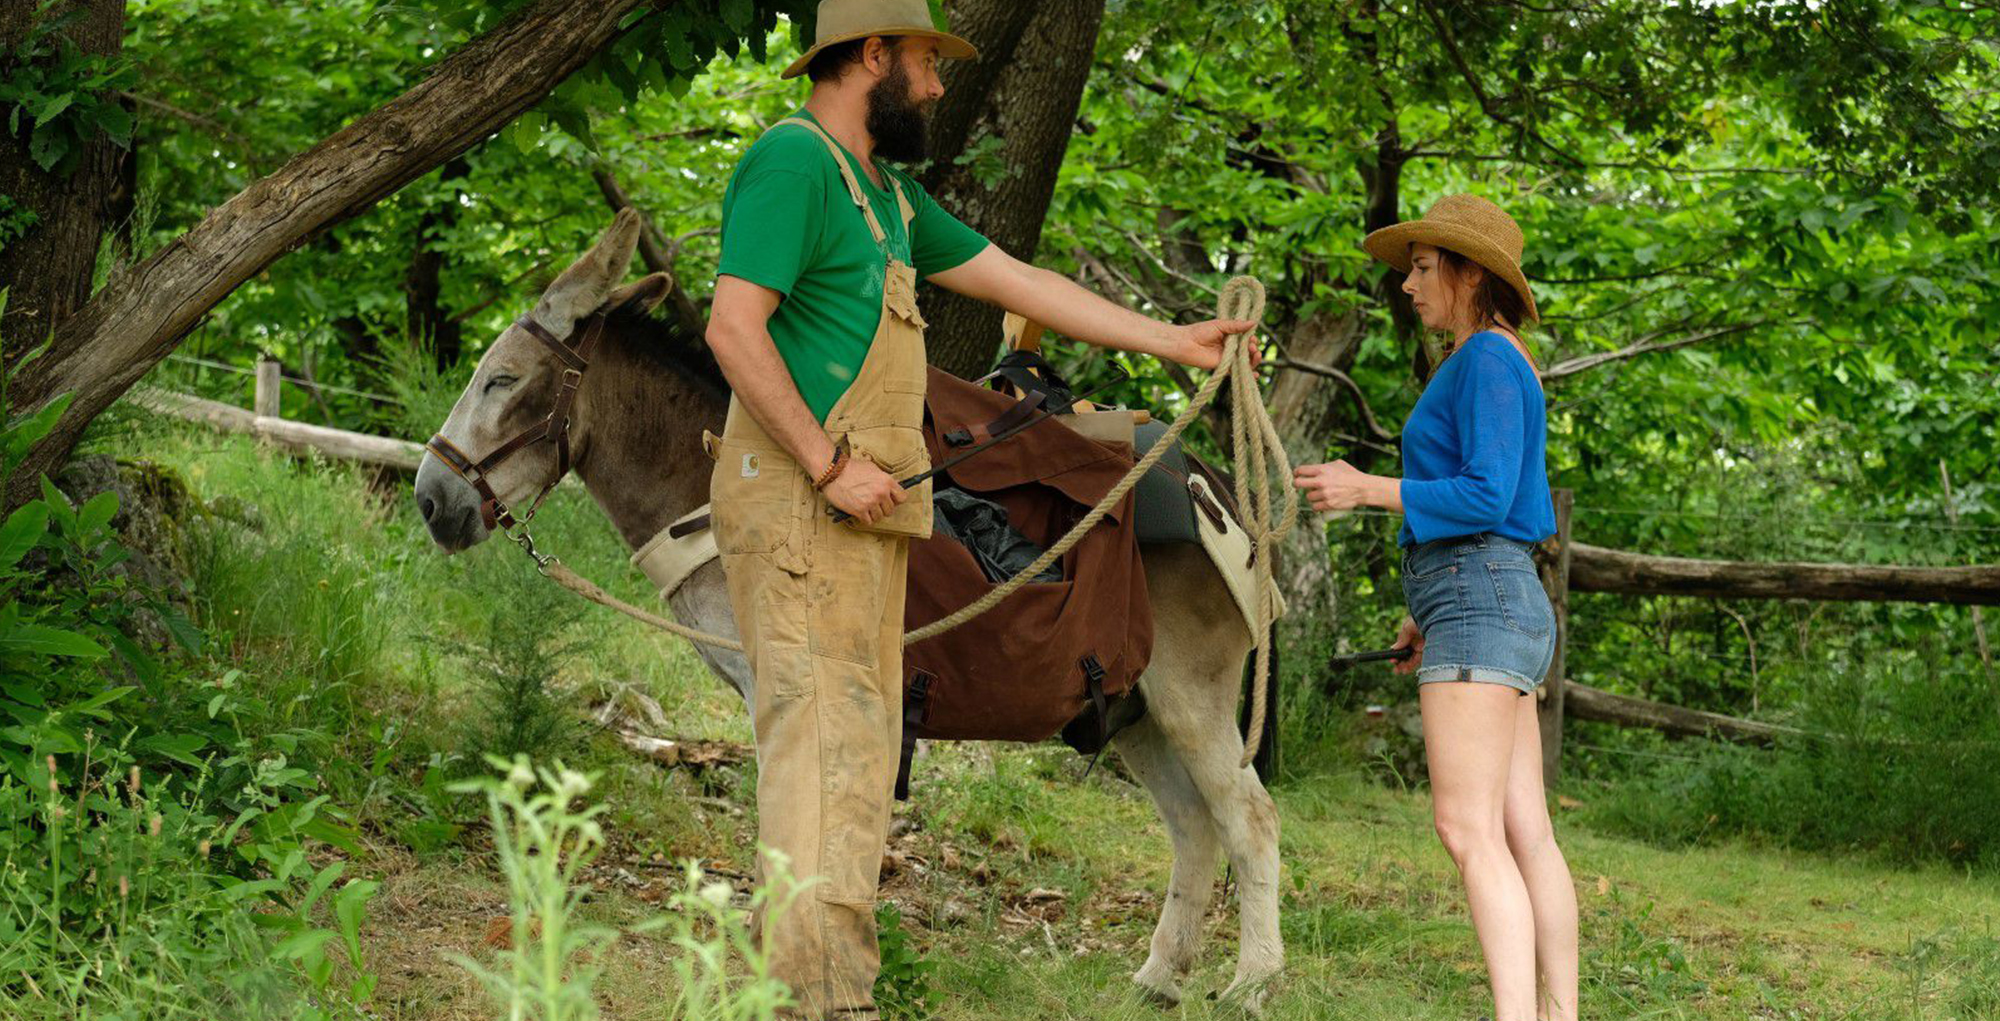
1004 435
1344 662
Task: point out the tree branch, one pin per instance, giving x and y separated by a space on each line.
146 310
656 255
1353 389
1487 103
1644 345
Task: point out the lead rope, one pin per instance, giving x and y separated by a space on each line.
1255 441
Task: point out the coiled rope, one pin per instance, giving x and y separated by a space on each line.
1256 449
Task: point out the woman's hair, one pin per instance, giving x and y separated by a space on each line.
1494 300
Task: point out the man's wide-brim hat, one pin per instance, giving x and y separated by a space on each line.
843 21
1468 225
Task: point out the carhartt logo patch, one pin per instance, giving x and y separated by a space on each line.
749 466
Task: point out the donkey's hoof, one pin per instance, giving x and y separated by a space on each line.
1156 982
1249 994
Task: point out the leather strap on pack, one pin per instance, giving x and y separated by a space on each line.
1093 686
916 700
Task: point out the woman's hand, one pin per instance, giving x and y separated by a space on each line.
1338 486
1408 637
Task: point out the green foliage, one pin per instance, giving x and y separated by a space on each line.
544 840
1894 763
903 988
149 852
543 843
1635 966
59 96
517 709
722 969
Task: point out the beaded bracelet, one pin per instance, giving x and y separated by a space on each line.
833 469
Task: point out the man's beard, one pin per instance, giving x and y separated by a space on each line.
897 124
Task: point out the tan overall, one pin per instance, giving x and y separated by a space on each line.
820 607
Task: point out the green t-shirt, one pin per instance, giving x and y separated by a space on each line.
789 224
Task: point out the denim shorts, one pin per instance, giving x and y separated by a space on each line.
1482 610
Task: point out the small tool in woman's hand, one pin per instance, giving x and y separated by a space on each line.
1344 662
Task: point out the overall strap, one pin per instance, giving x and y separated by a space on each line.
903 203
853 183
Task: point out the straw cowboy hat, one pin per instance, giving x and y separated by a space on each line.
843 21
1468 225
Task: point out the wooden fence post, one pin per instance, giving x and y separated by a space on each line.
265 402
1978 619
1553 562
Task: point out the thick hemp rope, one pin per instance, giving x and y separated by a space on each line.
1256 448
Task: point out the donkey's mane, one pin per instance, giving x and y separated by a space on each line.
662 344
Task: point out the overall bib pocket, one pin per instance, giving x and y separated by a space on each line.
905 373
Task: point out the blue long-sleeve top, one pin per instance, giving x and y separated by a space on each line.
1475 449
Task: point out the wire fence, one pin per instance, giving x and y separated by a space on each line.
1911 523
313 384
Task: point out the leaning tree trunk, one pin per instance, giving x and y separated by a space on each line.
1023 91
48 270
144 312
1309 410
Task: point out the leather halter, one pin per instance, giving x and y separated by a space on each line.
554 427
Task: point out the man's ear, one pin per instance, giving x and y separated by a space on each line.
877 54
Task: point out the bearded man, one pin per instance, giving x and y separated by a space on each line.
815 324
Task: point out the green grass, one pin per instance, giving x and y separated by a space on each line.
1032 892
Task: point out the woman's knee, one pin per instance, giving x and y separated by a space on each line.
1467 832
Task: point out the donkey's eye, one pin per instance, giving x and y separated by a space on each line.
501 380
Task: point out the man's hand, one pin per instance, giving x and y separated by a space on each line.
865 491
1336 486
1408 637
1199 345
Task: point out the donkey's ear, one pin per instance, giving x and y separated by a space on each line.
587 283
640 296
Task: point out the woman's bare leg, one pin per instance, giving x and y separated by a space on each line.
1469 735
1532 839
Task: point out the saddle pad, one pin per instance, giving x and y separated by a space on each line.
668 562
1228 545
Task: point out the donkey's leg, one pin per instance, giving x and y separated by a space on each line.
1190 826
1192 696
702 603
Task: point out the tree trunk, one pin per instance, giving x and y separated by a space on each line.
47 271
144 312
425 318
1308 410
1023 91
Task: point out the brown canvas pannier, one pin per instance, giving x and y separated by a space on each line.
1052 651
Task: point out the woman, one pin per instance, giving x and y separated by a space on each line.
1475 497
